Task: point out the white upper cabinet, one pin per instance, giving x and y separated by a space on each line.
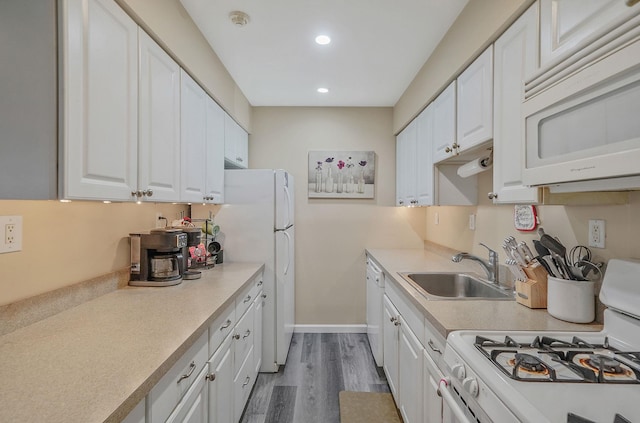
159 120
424 161
236 145
194 140
515 59
406 166
566 23
99 101
444 124
214 186
475 102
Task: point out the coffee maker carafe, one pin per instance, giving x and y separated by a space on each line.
158 258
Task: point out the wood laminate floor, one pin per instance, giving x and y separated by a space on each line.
318 367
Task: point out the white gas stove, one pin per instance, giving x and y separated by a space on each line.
555 377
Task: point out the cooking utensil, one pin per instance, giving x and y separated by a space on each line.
516 270
579 253
540 249
524 251
551 266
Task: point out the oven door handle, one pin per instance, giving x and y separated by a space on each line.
443 391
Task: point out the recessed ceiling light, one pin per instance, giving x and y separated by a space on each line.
323 39
323 90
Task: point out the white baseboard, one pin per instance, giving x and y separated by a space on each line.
330 329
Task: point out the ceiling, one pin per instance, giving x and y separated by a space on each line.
376 49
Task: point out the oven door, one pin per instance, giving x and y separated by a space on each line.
453 411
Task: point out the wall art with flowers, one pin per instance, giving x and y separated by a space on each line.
342 174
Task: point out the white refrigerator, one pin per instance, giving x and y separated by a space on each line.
258 223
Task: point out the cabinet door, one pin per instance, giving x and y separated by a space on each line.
410 353
257 332
137 415
236 144
390 333
566 23
515 59
194 407
193 140
432 402
100 101
444 124
424 158
475 102
221 384
159 119
215 153
406 165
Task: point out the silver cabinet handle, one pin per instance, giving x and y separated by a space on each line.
236 336
246 300
264 295
192 367
136 194
493 195
397 323
147 192
246 334
433 347
226 324
210 377
393 319
246 381
259 283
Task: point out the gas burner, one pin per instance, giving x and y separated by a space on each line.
481 341
608 365
529 364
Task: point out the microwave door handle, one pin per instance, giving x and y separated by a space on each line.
286 268
443 391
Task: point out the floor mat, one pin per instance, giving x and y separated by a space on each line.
367 407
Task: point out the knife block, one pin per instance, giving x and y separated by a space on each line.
532 293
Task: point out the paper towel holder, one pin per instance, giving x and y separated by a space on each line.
476 166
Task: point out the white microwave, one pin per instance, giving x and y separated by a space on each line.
582 118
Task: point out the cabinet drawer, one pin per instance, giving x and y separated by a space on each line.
221 327
434 343
248 294
242 385
173 385
243 338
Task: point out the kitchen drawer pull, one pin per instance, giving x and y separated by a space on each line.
236 336
246 300
226 324
264 295
433 347
246 381
260 283
246 334
492 195
192 367
393 319
211 377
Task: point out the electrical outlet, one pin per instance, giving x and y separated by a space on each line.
596 233
12 240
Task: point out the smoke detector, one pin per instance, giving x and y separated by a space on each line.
239 18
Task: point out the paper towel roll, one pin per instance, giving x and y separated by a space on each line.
475 166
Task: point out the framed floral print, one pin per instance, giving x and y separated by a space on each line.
342 174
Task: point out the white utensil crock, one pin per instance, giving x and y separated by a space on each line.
571 301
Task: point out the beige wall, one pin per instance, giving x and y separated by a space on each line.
331 235
479 23
170 24
568 223
67 243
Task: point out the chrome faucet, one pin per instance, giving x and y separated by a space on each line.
491 266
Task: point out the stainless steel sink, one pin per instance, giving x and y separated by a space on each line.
455 286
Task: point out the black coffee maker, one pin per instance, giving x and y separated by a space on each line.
158 258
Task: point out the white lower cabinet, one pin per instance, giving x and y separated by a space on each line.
410 373
390 334
403 363
137 415
221 384
432 402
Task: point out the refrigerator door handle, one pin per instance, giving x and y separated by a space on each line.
286 268
287 195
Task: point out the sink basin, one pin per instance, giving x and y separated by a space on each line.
455 286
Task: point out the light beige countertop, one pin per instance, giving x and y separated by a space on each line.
96 361
450 315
